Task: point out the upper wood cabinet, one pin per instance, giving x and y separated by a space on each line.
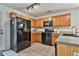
66 20
39 22
33 23
61 20
56 21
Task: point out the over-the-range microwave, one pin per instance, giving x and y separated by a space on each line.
48 23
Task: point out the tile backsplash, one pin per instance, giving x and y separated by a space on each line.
38 29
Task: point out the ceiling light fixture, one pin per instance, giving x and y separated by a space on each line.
32 6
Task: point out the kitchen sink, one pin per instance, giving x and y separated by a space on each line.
72 35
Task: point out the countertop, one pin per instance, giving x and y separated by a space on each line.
68 40
53 33
36 31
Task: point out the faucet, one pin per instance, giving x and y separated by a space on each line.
75 29
35 29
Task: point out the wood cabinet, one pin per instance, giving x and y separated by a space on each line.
39 22
61 20
56 21
33 23
65 20
36 37
54 38
62 50
67 49
33 37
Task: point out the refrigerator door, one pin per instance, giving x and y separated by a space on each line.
13 34
23 34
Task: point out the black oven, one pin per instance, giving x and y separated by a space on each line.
47 38
47 35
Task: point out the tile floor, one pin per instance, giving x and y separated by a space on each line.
38 49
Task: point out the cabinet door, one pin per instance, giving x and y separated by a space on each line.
65 20
33 37
62 50
38 37
33 23
66 49
56 21
54 38
39 22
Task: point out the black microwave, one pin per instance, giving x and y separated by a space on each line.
48 23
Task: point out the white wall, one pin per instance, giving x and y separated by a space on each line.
5 26
75 18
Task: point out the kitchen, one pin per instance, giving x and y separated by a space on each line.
51 28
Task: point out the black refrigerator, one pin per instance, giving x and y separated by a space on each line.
20 30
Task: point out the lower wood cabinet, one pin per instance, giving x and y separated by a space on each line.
33 37
62 50
66 49
36 37
54 38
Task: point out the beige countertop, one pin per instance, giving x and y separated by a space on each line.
36 31
68 40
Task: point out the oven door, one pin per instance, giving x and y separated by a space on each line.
47 38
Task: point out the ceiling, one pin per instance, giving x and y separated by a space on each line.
43 9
